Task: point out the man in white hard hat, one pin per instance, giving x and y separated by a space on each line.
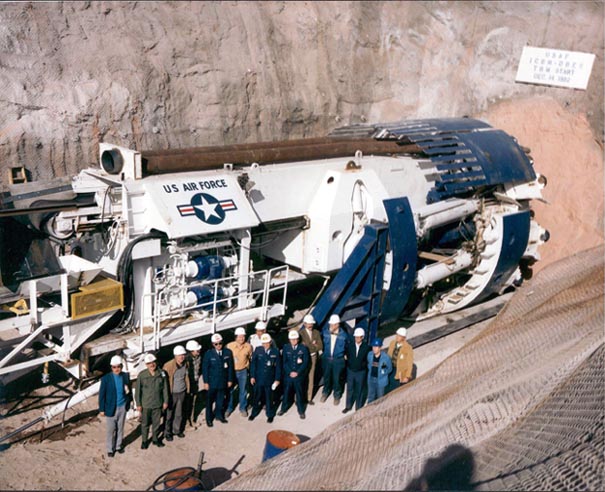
265 377
194 362
242 355
311 339
335 341
295 360
114 402
151 395
402 358
357 370
219 376
260 328
179 387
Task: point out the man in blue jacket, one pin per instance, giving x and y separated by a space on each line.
219 376
296 360
379 367
114 402
335 341
265 376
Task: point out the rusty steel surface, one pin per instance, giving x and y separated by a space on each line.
520 407
202 158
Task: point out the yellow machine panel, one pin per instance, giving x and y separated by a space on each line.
97 297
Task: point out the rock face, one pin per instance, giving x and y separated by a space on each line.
174 74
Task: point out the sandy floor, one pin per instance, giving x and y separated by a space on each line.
74 457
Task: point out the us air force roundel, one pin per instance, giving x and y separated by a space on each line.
207 208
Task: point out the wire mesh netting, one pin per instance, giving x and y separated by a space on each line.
520 407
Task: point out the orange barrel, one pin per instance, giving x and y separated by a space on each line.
278 441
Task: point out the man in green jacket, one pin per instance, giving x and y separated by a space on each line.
151 395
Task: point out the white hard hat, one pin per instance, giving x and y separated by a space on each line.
309 319
265 338
261 325
116 360
293 334
149 358
334 319
401 332
216 338
179 350
193 345
359 332
240 331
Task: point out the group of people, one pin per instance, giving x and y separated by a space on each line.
251 375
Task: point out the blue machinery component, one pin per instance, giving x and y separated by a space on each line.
209 267
355 292
467 153
516 236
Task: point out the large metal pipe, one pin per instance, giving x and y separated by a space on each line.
438 271
202 158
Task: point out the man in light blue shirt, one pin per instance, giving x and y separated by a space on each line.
114 401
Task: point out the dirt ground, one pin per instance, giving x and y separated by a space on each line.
74 457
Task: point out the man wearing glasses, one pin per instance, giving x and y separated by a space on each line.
114 401
219 376
151 395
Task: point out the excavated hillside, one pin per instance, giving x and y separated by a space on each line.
521 407
153 75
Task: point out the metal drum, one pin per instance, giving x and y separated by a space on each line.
278 441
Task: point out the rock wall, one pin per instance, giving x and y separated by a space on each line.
175 74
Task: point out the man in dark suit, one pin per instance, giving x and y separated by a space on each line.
265 376
219 376
295 362
357 370
114 402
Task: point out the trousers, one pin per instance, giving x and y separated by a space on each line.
215 401
263 392
356 381
174 415
151 416
115 429
293 385
333 370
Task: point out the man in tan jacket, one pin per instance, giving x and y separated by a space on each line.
312 340
402 358
242 355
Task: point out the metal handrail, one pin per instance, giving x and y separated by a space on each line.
163 295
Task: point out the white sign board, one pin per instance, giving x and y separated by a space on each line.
555 67
202 202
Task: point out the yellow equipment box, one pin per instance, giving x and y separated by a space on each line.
97 297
